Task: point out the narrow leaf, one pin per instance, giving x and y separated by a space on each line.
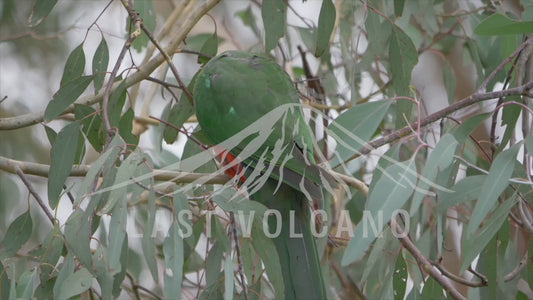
439 159
398 7
498 24
399 278
266 250
148 244
40 10
465 190
116 103
62 157
392 191
74 66
403 57
25 284
274 14
65 96
91 125
173 252
17 235
210 47
326 22
147 12
498 179
473 245
75 284
78 235
100 62
353 128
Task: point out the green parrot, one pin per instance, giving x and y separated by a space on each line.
238 90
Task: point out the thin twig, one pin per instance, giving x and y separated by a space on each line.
425 263
143 71
240 269
107 92
470 100
132 13
40 201
459 279
512 275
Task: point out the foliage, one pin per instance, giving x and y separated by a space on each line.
427 207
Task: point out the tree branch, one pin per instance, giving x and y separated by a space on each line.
40 201
472 99
144 71
425 263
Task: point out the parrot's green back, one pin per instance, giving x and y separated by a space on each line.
232 91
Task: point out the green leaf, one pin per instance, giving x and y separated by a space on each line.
391 192
432 290
178 114
398 7
462 131
229 278
148 244
75 284
274 14
62 158
65 96
74 66
266 250
472 245
465 190
500 172
353 128
147 12
122 180
40 10
100 62
17 235
105 159
326 22
510 114
173 252
210 47
378 34
125 128
399 278
117 234
498 24
25 284
213 264
91 125
116 103
448 77
248 19
403 57
529 144
103 276
78 236
5 283
196 42
439 159
50 134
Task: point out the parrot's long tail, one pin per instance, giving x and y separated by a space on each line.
296 246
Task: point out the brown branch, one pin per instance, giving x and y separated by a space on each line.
40 201
43 170
143 71
470 100
133 14
136 20
424 263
